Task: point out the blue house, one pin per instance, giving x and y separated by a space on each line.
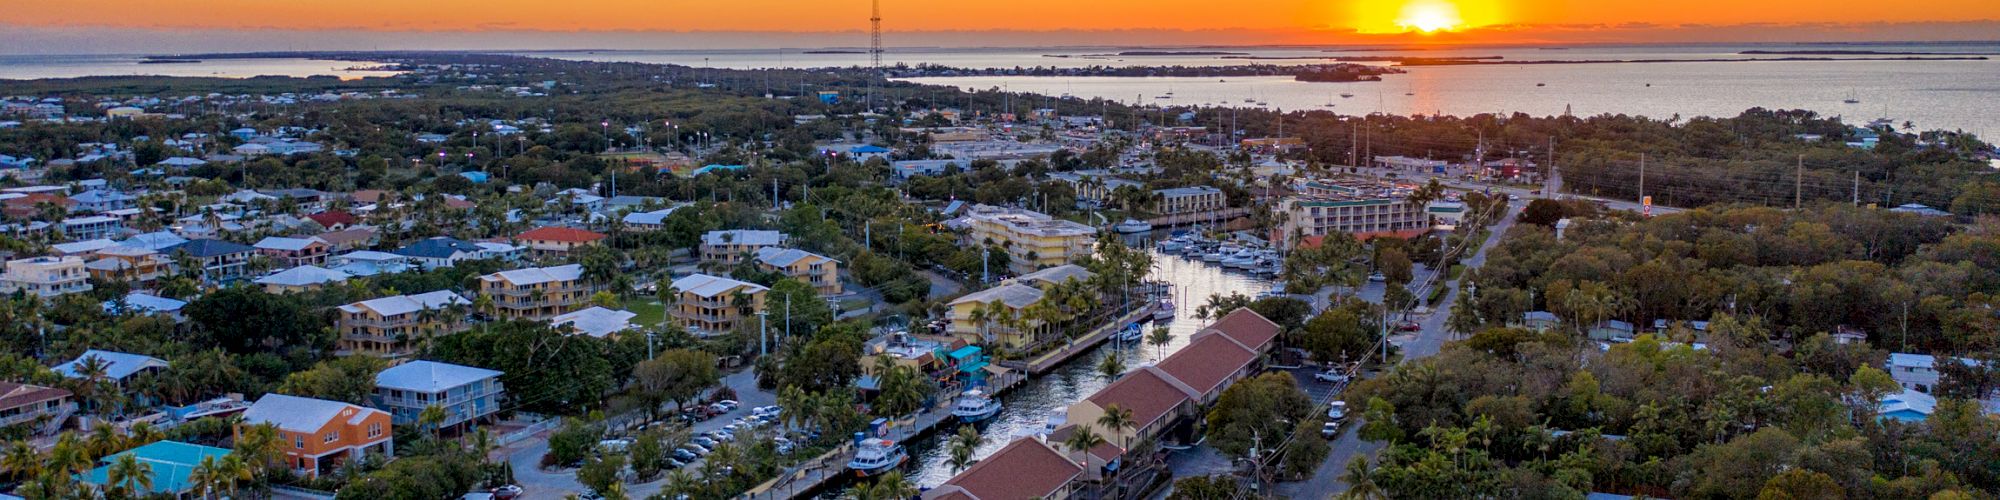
466 393
475 177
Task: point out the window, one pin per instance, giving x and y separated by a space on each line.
299 442
332 436
375 429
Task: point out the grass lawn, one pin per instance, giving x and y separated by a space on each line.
651 311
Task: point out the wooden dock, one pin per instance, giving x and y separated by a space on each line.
1055 358
811 475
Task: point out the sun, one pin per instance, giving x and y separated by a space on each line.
1429 16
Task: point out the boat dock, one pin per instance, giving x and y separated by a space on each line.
811 475
1055 358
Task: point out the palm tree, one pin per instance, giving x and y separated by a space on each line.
1361 482
430 418
963 445
104 440
680 482
205 476
232 472
1159 339
129 476
1112 366
21 461
1118 420
1081 441
892 485
90 376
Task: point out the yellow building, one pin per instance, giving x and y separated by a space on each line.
537 293
988 327
710 304
1189 200
390 326
819 271
726 248
1033 240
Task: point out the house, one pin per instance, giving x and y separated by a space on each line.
714 304
647 221
1014 297
302 278
220 261
31 205
552 241
440 252
726 248
1053 276
1916 372
595 321
293 252
145 303
866 152
333 220
101 200
81 248
158 241
466 394
45 277
1540 320
117 366
170 466
41 409
537 293
1025 468
1908 406
1612 331
815 270
390 326
95 226
137 266
320 435
370 263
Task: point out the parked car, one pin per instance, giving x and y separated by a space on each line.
698 450
1408 326
717 409
1336 411
731 404
1330 376
703 441
506 492
675 463
766 410
720 436
1329 430
614 445
685 456
1377 277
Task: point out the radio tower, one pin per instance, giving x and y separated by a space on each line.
875 39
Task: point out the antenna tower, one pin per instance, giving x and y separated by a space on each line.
875 38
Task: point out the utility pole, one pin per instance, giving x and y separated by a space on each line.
649 344
1857 188
1642 177
763 334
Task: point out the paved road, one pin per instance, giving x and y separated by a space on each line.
1326 480
526 456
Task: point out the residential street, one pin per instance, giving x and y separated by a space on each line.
526 456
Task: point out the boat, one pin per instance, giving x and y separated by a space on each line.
1344 95
1134 226
1241 259
975 405
1541 85
1131 333
1249 100
876 456
1851 100
1165 311
1171 246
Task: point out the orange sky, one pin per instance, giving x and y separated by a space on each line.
1297 16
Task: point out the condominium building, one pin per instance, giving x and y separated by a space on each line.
319 435
391 326
537 293
714 304
135 265
554 241
1327 208
465 393
45 276
729 247
294 252
220 261
818 271
1189 200
1032 240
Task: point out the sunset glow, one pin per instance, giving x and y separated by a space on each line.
1429 16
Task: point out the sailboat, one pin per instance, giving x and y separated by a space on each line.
1851 99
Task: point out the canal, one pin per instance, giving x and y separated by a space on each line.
1029 407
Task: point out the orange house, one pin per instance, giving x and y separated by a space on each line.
320 435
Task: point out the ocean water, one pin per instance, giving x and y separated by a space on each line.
1961 95
34 67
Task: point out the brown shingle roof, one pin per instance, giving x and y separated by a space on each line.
13 395
1025 468
553 233
1147 392
1106 451
1247 327
1207 362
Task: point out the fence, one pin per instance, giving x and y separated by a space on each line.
527 432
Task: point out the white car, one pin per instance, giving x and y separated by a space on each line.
766 410
729 403
1330 376
1336 411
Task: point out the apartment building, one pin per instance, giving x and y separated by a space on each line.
819 271
319 435
220 261
392 326
45 276
92 227
726 248
138 266
537 293
466 394
1032 240
41 409
551 241
1189 200
1363 211
983 327
711 304
294 252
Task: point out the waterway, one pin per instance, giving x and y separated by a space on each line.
1029 407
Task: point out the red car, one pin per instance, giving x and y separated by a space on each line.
1408 326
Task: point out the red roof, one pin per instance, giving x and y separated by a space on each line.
329 219
13 395
1025 468
1146 392
1247 327
1106 451
1208 361
552 233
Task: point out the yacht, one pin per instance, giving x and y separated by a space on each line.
1241 259
1131 226
1218 253
877 456
975 405
1165 311
1131 333
1173 245
1345 95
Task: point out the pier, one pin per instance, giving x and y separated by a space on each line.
811 475
1050 360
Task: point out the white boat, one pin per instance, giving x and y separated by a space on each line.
1134 226
1241 259
1131 333
877 456
975 405
1172 246
1164 311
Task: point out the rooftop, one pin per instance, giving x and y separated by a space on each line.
430 376
297 414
